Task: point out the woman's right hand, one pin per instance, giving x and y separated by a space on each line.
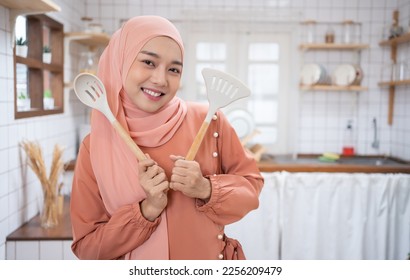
155 184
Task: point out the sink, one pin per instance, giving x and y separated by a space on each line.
362 160
311 163
353 160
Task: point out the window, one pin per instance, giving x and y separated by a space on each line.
261 62
38 72
208 54
263 79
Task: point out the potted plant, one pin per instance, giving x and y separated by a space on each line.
21 47
48 100
46 54
23 102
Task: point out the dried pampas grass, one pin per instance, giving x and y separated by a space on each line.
49 184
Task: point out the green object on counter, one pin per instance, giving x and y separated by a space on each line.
326 159
331 156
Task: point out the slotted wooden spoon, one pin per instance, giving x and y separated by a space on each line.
222 89
91 91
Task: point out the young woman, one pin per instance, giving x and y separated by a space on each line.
164 207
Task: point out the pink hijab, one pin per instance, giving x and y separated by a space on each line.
114 165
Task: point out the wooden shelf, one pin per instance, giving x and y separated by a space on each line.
91 40
393 43
70 165
394 83
396 41
42 76
24 7
332 88
32 230
38 6
39 64
339 47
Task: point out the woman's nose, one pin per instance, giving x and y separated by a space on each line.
159 76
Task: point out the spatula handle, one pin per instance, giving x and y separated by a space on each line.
128 140
197 141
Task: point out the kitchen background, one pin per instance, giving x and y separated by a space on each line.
313 122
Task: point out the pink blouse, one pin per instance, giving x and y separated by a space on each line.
195 228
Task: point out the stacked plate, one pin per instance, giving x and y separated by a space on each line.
313 74
347 75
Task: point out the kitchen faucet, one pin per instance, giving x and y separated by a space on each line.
375 143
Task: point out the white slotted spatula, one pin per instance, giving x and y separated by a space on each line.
91 91
222 89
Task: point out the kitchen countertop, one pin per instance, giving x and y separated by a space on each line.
310 163
32 230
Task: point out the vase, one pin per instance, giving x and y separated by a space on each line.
48 103
23 104
47 58
49 216
21 50
88 63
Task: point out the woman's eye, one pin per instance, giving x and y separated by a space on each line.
148 62
175 70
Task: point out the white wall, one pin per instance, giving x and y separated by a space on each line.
321 114
19 188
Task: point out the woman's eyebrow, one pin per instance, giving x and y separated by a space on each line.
157 56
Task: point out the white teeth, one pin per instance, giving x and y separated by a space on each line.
152 93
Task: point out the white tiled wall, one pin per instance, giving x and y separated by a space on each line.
323 115
40 250
321 118
19 188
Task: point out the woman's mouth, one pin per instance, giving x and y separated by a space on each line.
152 94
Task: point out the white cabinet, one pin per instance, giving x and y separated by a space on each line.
328 216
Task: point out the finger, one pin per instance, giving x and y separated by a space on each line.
175 158
189 164
152 171
175 178
176 186
159 178
160 189
156 191
144 164
181 171
163 187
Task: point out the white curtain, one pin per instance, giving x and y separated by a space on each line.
328 216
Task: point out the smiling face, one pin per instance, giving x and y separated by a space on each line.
154 76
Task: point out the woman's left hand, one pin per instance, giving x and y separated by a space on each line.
187 178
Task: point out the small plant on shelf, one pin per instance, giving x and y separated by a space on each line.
21 42
46 54
47 94
23 101
22 95
46 49
48 100
21 47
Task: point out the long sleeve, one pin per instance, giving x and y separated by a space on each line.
236 190
97 235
